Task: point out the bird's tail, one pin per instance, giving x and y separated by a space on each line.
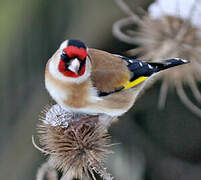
168 64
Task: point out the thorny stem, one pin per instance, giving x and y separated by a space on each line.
102 171
98 168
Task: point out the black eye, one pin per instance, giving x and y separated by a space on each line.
65 57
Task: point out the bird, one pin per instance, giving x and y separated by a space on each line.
92 81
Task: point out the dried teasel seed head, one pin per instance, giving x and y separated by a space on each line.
76 142
165 39
163 36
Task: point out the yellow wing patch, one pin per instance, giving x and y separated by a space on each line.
135 82
124 80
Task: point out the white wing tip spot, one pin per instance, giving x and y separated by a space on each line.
150 67
140 64
183 60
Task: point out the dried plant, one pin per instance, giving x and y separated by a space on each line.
162 35
74 142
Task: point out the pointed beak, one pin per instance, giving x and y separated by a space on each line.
74 65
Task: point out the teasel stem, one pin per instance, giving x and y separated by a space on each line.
99 169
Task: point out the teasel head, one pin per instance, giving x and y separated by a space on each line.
75 143
167 33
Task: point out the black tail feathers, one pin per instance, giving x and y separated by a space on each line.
168 64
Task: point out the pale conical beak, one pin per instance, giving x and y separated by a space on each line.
74 65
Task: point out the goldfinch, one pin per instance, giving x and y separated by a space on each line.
92 81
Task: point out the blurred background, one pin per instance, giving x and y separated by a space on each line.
154 144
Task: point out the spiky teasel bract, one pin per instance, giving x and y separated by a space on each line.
76 144
167 36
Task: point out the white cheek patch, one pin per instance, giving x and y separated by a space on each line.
53 69
63 45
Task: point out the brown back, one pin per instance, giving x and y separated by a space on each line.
108 71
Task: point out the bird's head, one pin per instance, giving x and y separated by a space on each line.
71 61
73 58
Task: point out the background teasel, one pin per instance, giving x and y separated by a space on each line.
77 144
166 33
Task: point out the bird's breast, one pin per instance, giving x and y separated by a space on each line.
68 94
78 95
